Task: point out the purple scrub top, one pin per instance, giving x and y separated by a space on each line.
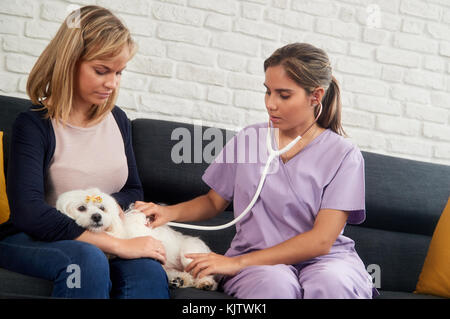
326 174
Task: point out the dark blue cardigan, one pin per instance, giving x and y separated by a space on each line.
32 148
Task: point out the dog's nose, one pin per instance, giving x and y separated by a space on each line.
96 217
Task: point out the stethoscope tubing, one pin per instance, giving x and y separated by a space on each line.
272 155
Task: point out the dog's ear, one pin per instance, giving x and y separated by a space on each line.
63 202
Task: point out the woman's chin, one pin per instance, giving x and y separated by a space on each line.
278 124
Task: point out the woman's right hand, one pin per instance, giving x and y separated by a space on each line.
141 247
157 214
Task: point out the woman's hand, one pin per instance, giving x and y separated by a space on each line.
157 214
212 264
138 247
141 247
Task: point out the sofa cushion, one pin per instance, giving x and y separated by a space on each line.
397 256
15 284
435 276
404 295
163 178
4 206
404 195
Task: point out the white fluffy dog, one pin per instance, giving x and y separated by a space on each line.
97 211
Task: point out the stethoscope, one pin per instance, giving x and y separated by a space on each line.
272 154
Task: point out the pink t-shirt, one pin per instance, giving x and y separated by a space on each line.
87 157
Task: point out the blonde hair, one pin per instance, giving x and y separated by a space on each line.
98 34
310 68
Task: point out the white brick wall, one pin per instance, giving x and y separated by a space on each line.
202 60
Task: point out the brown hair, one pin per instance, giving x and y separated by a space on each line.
98 34
310 68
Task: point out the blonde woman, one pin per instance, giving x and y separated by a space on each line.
74 137
291 244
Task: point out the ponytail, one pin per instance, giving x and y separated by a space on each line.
332 109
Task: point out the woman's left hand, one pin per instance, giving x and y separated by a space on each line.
211 264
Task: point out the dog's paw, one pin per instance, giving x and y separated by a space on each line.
206 283
176 282
181 280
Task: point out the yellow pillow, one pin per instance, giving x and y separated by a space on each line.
4 207
435 276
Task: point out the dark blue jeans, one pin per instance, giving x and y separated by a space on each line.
81 270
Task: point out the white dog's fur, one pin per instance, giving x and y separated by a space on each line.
97 211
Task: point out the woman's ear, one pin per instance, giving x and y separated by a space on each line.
317 95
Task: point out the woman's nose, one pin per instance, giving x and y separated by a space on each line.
112 81
271 106
270 103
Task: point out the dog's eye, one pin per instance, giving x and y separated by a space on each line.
82 208
102 208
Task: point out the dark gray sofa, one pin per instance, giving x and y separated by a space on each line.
404 200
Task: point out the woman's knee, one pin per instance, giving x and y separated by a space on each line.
48 259
139 278
335 283
151 270
265 282
89 256
77 269
85 274
91 262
